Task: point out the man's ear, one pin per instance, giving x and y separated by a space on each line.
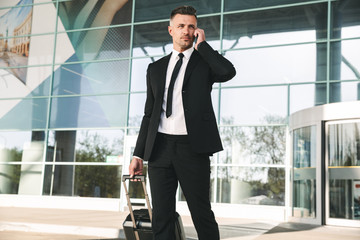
170 30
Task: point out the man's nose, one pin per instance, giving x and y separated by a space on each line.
186 30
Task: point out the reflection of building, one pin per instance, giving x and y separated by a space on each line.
20 45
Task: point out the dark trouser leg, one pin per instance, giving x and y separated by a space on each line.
193 172
163 184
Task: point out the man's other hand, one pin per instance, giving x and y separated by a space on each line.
136 167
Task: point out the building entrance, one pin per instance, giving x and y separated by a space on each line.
343 172
325 169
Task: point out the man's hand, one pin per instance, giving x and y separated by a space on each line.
136 167
200 34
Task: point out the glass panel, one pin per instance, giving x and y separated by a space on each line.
82 181
344 170
138 73
35 82
136 109
41 50
43 13
345 20
93 13
211 26
91 78
299 100
26 148
15 146
104 146
350 91
304 175
23 113
253 145
9 178
251 185
279 65
275 26
320 94
161 9
261 103
90 45
231 5
90 111
152 39
350 60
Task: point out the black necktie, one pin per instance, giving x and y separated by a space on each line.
171 86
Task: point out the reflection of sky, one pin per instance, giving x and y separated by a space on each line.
14 17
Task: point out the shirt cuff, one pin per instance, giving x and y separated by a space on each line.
138 158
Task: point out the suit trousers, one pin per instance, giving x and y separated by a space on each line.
173 161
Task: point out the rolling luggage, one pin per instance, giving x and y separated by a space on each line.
137 225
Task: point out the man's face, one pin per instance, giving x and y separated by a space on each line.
182 29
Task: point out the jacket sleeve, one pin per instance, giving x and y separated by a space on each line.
141 140
222 69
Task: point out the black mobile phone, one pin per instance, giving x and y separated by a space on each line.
195 40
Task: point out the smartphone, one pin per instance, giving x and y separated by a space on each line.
195 40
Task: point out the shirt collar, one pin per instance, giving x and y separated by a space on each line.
187 53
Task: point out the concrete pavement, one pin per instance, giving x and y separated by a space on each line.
47 224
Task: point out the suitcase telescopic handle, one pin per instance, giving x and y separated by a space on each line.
135 177
142 179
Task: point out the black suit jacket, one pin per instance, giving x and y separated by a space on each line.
205 67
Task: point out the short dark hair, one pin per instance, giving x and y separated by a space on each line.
184 10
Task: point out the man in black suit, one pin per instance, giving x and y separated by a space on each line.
178 132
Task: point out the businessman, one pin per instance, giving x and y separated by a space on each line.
179 132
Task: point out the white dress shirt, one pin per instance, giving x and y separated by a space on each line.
175 124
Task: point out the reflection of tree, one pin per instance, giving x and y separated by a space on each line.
259 145
97 181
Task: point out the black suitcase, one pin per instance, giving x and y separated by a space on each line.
137 225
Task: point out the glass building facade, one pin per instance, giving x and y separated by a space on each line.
72 90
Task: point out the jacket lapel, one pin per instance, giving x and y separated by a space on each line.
191 65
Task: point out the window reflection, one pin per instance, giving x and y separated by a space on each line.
299 100
27 149
23 114
345 19
253 145
274 26
344 170
138 73
96 146
257 105
99 44
152 39
104 146
276 65
75 14
256 186
240 5
91 78
9 177
136 111
90 111
350 60
304 163
82 181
